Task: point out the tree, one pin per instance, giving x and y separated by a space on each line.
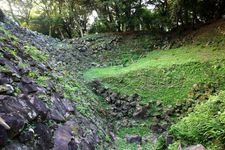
22 8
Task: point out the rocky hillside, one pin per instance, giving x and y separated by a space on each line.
175 87
124 91
41 105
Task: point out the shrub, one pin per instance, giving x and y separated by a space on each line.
206 125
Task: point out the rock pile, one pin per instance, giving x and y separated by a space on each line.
102 42
75 53
39 117
121 105
198 93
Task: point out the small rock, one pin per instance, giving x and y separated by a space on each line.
29 88
26 80
165 125
72 145
26 136
6 89
169 139
134 139
156 128
141 112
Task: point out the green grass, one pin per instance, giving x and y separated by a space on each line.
161 59
165 75
141 130
36 54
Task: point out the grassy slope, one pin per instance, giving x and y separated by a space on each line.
168 75
204 125
165 75
161 59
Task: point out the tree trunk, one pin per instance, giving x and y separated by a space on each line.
12 13
50 31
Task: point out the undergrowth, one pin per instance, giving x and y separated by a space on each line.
205 125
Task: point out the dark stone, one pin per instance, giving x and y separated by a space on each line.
2 61
167 118
5 81
8 55
156 128
14 69
134 139
60 107
26 80
3 136
141 112
62 137
26 136
165 126
68 105
118 103
29 88
40 107
56 115
2 16
169 139
84 145
113 97
72 145
16 124
17 146
134 97
178 106
133 104
44 135
20 107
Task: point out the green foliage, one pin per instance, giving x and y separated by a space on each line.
33 74
174 146
42 80
67 19
36 54
68 85
205 125
7 35
23 65
165 75
101 26
161 143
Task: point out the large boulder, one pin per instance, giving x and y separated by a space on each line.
44 136
62 137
